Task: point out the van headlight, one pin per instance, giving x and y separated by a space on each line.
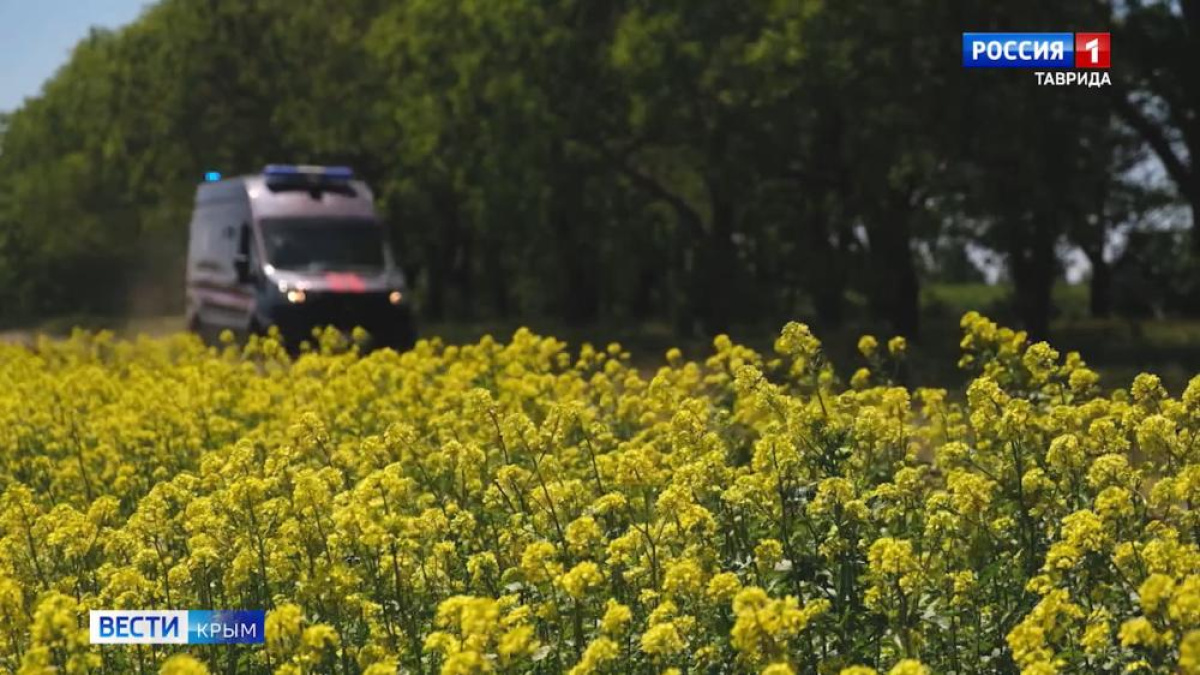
293 293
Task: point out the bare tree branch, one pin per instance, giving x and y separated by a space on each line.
1153 134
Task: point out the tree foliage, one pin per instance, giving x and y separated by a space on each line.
708 163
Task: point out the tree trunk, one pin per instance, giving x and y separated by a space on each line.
649 277
1194 203
828 218
829 305
826 274
579 293
450 285
1100 286
464 274
1033 304
434 305
1034 267
895 289
497 279
715 274
581 297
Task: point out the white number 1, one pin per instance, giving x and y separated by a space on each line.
1093 46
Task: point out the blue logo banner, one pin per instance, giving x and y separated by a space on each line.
225 627
1018 50
176 626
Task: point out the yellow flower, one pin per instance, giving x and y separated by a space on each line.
768 552
861 378
1189 653
583 533
616 618
1096 637
581 578
722 587
598 653
664 612
1040 359
1184 606
517 642
797 341
1147 389
1032 639
972 492
1083 381
868 345
473 508
538 562
1082 532
58 640
1114 503
764 625
662 639
909 667
897 346
183 664
893 557
466 663
1138 632
684 577
1154 592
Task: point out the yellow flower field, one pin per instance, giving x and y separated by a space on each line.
516 508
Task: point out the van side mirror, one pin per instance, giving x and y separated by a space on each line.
241 265
241 259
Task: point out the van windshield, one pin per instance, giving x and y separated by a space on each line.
320 244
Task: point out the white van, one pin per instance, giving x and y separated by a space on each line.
297 247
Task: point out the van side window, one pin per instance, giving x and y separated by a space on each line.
208 242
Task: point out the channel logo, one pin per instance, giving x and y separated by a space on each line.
1036 50
1092 50
178 626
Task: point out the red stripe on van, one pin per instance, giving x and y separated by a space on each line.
348 282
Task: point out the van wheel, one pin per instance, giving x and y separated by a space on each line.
200 329
255 328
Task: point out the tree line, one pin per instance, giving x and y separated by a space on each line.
710 163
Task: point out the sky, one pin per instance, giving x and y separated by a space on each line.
36 37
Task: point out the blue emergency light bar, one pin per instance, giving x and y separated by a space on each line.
308 172
212 176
